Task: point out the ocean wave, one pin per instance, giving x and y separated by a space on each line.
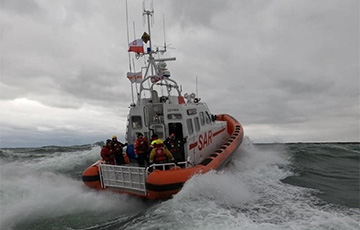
252 192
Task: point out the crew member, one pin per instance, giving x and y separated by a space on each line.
141 149
175 146
118 150
160 154
151 147
107 153
153 138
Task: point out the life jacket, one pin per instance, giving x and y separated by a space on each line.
160 155
107 155
172 145
141 145
151 147
117 148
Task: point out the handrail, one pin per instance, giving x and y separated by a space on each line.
123 177
151 167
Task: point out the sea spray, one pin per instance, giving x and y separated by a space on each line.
43 190
248 194
37 189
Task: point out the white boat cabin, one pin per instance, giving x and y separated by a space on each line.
161 109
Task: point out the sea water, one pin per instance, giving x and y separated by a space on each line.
273 186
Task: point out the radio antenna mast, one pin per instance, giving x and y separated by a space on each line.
134 29
128 41
148 13
127 31
164 32
197 95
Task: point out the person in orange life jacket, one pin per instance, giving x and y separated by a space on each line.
153 138
160 154
118 150
107 153
140 149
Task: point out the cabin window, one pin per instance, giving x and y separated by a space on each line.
197 124
202 118
190 126
159 130
191 111
207 118
174 116
136 122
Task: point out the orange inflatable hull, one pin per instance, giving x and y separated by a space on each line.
163 184
91 177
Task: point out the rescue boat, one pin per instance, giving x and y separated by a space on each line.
162 109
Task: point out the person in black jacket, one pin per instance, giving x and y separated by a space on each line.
175 146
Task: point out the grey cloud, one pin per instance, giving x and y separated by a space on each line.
196 13
22 7
99 86
296 86
288 65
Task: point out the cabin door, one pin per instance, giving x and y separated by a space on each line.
178 130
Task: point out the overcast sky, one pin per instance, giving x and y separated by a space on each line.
288 70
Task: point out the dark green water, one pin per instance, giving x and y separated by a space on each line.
333 169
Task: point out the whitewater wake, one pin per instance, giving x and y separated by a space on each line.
46 191
42 188
248 194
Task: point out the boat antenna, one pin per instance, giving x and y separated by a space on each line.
149 13
127 32
197 95
128 41
164 33
143 9
136 87
134 29
152 9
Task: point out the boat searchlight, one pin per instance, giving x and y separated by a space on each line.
191 97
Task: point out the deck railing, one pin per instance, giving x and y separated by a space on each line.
131 178
123 177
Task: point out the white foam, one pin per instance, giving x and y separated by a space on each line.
59 161
248 194
29 192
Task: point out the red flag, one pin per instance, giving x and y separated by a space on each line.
136 46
